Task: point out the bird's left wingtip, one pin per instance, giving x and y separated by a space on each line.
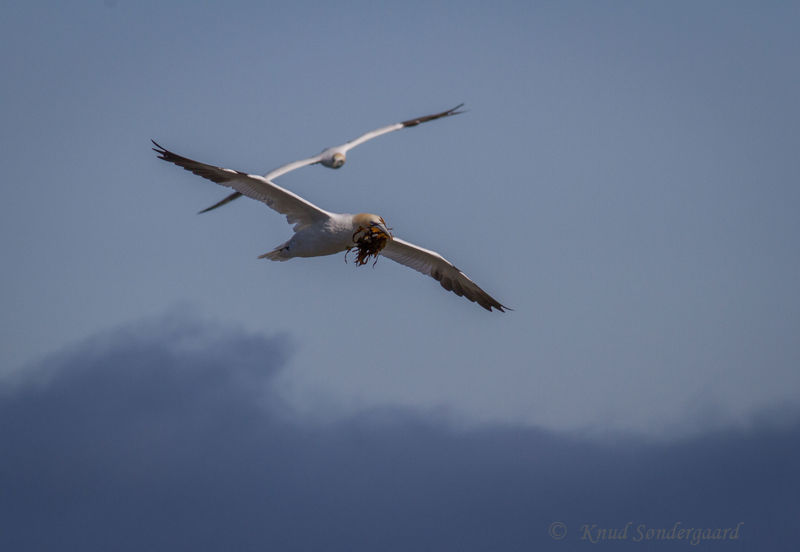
159 149
457 110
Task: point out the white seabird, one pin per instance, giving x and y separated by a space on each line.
335 156
318 232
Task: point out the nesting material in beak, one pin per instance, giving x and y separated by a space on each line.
368 243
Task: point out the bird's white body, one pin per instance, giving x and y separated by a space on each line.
325 237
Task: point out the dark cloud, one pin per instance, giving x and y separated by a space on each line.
170 436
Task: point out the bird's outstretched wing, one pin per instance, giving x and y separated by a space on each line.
298 211
343 148
275 173
440 269
397 126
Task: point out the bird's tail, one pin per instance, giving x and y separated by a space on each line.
280 253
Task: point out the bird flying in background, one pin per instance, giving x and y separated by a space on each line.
335 156
318 232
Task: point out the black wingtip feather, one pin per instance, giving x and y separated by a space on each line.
426 118
163 153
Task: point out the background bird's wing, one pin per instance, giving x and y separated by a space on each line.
344 148
298 211
289 167
397 126
437 267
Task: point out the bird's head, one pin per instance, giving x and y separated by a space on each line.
370 236
338 160
368 224
333 160
333 157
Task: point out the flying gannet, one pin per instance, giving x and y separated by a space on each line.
318 232
335 156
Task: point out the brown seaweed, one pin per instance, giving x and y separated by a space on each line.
369 243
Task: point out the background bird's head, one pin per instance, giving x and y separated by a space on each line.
334 161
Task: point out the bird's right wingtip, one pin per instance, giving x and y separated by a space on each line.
498 307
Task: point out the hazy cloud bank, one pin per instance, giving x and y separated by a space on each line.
169 435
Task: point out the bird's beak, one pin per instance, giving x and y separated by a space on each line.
380 229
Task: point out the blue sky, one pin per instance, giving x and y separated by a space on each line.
626 178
